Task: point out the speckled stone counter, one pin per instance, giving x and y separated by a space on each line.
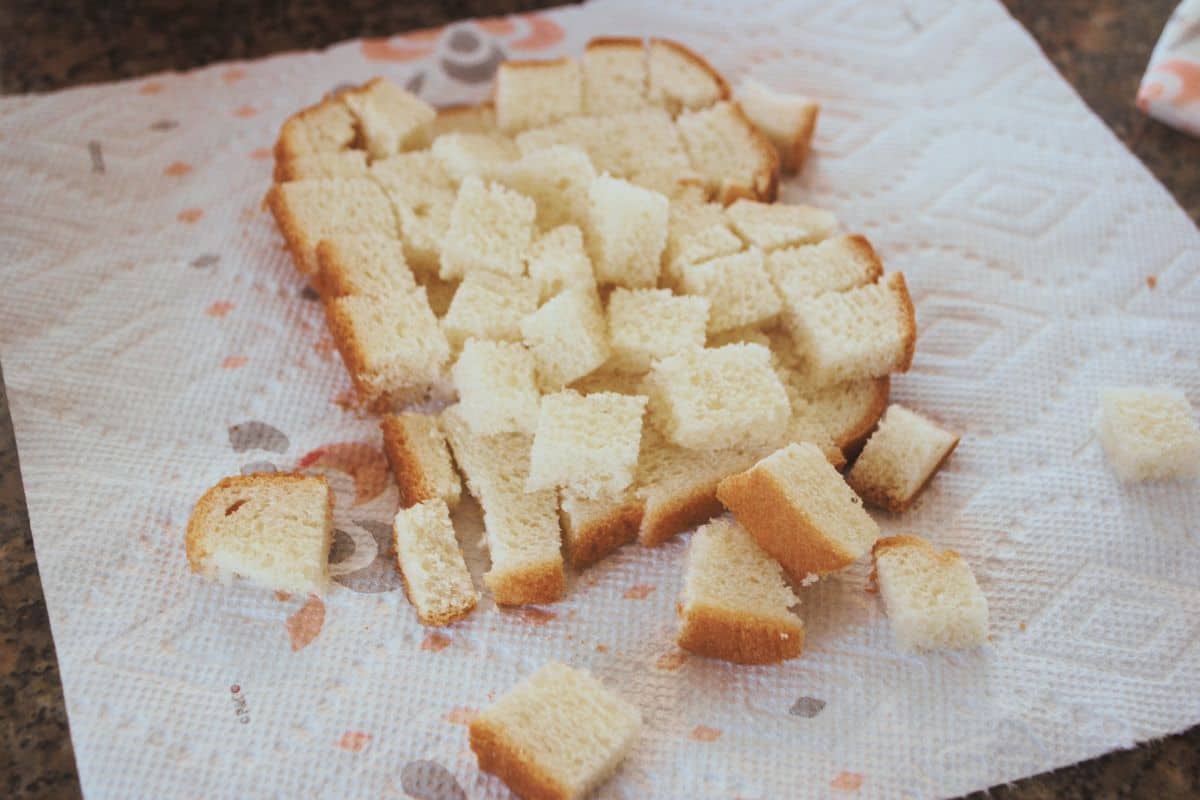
1101 46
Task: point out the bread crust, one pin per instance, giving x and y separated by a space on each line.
535 63
890 502
851 440
679 514
528 585
287 144
347 344
898 285
699 61
802 142
615 42
432 620
740 638
764 186
508 761
598 539
411 480
290 228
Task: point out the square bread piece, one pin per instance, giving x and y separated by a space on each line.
788 120
488 305
557 735
417 452
679 79
735 603
734 158
391 119
626 233
464 118
697 232
738 289
490 228
866 332
309 211
435 575
530 94
567 336
771 226
422 195
497 389
834 265
614 76
558 261
648 324
273 529
327 127
479 155
339 164
1149 433
362 264
586 444
717 398
796 505
557 179
900 458
623 144
931 597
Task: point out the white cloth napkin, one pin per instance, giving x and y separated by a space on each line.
155 337
1170 89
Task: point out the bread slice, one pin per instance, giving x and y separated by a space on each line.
530 94
735 603
491 228
336 164
558 261
900 458
327 127
557 735
595 527
834 265
735 159
796 505
738 289
274 529
466 118
680 80
368 264
626 232
390 119
435 575
771 226
696 232
489 305
586 444
622 144
497 388
932 599
416 450
788 120
1149 434
480 155
567 336
311 210
521 527
614 76
648 324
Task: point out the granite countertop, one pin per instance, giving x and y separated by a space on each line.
1101 46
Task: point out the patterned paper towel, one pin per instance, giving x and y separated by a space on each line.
155 337
1170 89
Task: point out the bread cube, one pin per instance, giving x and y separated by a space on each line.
614 76
771 226
627 231
391 119
788 120
479 155
324 128
623 144
409 178
557 179
834 265
558 261
900 458
686 186
680 79
697 232
931 597
735 159
567 336
496 386
362 264
530 94
587 444
337 164
1149 434
421 195
420 460
488 305
435 574
648 324
311 210
491 228
738 289
468 118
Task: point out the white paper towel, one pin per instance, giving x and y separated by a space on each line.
155 337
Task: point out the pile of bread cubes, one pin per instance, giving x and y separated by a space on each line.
637 337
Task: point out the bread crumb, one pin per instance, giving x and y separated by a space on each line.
1152 281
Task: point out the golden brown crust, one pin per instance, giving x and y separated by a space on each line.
900 287
341 328
740 638
509 762
945 557
890 502
532 584
596 540
288 145
415 487
699 61
851 440
679 514
535 63
290 228
766 182
866 251
615 42
797 154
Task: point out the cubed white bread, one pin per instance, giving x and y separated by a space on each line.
1148 433
587 445
362 264
614 76
557 179
422 195
626 233
530 94
712 399
468 118
327 127
558 261
491 228
931 597
648 324
435 575
311 210
685 186
557 735
479 155
771 226
497 389
391 346
441 293
622 145
489 305
408 178
696 232
593 528
273 529
568 337
834 265
800 510
861 333
521 528
336 164
738 288
900 458
788 120
390 119
736 603
416 450
735 159
840 416
679 79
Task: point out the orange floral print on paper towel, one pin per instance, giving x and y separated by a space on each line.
1177 74
177 169
520 32
638 592
703 733
436 642
847 781
190 215
362 462
354 741
219 309
234 362
305 624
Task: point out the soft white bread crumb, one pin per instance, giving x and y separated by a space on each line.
362 264
480 155
557 735
834 265
593 528
496 387
861 333
556 179
408 178
622 145
735 603
479 118
614 76
796 505
338 164
586 444
738 288
648 324
489 305
899 459
435 575
327 127
718 398
417 452
567 336
771 226
390 118
679 79
1149 433
931 597
274 529
697 232
422 195
311 210
558 261
734 158
686 186
788 120
626 233
490 229
530 94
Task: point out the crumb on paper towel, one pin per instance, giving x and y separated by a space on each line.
638 592
436 642
461 715
190 215
354 741
219 309
531 614
703 733
234 362
847 781
177 169
671 661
